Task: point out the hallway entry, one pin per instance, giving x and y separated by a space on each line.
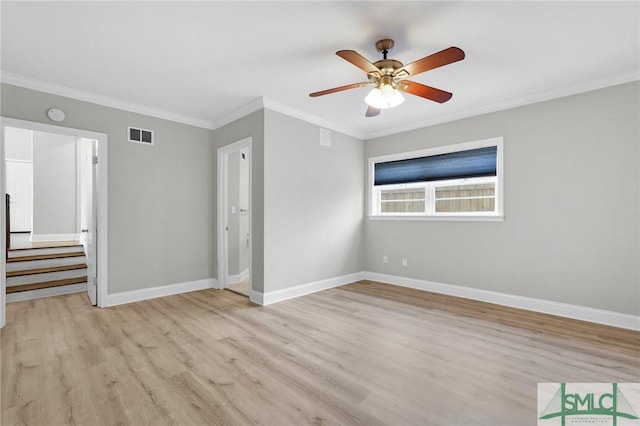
53 179
234 216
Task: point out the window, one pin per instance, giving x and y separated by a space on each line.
460 182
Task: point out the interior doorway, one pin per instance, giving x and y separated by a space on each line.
234 217
68 179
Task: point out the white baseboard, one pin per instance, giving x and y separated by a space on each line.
256 297
599 316
161 291
239 277
54 237
615 319
46 292
300 290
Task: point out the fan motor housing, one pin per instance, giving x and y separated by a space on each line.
388 65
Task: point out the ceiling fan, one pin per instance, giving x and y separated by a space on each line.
389 77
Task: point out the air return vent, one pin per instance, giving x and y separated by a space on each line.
138 135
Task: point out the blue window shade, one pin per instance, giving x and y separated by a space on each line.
454 165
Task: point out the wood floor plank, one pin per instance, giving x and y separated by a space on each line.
362 354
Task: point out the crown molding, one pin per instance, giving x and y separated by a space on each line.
292 112
266 103
81 95
239 113
512 103
263 102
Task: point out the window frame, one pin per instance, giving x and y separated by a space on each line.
430 186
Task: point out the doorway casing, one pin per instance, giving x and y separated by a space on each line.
223 209
101 201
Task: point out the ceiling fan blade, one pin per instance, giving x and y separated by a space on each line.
424 91
444 57
372 112
340 89
358 60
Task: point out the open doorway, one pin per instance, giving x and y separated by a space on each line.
54 179
234 217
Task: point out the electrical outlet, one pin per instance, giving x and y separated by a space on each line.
385 259
404 261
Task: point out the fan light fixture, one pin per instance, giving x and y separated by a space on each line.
384 97
389 77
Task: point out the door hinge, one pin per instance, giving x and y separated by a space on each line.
95 159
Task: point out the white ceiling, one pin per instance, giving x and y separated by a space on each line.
204 60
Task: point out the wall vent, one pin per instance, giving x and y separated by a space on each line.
138 135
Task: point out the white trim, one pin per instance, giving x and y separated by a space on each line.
54 237
154 292
257 104
266 103
236 278
547 95
3 237
103 191
304 289
78 187
81 95
292 112
13 160
46 292
239 113
460 218
599 316
256 297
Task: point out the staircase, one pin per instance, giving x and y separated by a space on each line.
45 271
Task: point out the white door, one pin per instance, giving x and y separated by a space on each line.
88 208
20 188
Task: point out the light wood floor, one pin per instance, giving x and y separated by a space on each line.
365 353
241 287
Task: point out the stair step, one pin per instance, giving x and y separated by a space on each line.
46 263
28 251
48 276
44 256
46 284
46 270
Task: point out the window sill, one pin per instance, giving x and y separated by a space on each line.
442 218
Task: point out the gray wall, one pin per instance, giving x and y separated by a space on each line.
161 197
572 190
55 195
251 126
313 209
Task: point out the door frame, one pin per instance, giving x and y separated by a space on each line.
31 190
223 210
102 210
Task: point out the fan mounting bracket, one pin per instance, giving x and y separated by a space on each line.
384 46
